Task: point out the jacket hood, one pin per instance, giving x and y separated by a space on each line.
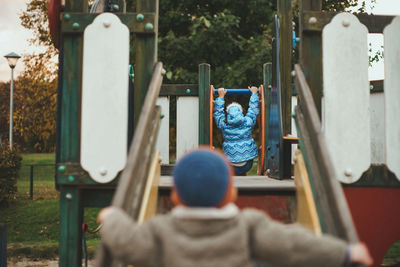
235 116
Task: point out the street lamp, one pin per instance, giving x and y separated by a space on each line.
12 59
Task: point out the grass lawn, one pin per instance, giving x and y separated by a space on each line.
39 158
33 225
33 228
42 169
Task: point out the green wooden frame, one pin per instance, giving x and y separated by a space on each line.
77 189
311 65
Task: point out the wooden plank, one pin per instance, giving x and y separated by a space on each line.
75 23
306 209
204 104
76 6
129 191
331 204
145 58
285 20
70 99
377 109
267 82
346 120
392 95
311 52
71 218
150 195
310 5
374 23
68 147
179 90
105 98
163 134
187 124
139 149
246 183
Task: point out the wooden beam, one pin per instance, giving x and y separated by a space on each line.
204 104
179 90
285 21
150 195
267 81
145 58
77 22
332 208
139 149
306 209
311 52
310 4
374 23
129 192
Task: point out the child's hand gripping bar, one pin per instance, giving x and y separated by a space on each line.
235 92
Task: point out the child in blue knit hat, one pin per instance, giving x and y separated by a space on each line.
206 229
239 145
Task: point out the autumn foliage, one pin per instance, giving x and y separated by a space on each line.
10 163
34 115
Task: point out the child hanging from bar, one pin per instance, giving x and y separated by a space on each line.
207 229
239 145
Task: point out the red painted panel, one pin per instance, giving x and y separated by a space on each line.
54 20
376 215
280 208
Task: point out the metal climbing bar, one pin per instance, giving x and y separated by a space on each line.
235 92
261 121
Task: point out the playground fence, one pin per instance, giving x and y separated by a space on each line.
36 181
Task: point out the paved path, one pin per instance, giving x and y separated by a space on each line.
23 262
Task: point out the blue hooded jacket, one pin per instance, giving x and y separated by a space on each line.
239 145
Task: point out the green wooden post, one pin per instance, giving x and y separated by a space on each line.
70 245
71 99
285 21
71 213
145 57
204 104
311 52
267 82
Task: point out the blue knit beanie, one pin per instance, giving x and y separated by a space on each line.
201 178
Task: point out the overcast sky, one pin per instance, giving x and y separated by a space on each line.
14 38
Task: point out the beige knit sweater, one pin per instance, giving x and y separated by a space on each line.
217 237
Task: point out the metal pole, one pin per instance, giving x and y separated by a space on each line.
11 108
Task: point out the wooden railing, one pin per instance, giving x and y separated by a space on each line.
129 193
333 212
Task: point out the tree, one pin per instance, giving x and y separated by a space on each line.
233 36
35 107
34 113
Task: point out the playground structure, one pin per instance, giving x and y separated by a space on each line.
92 159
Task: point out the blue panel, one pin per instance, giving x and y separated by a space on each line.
274 148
